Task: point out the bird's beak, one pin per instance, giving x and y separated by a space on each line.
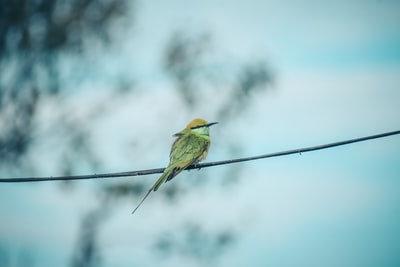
211 123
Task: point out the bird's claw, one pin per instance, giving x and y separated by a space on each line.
196 166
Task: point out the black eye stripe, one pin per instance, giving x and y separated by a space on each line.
198 126
203 125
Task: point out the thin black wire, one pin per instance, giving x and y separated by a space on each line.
198 166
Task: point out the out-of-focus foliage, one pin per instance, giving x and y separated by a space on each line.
186 62
87 252
183 60
251 78
34 35
34 38
193 241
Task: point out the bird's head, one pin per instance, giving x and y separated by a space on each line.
199 126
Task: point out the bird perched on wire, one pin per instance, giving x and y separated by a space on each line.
190 147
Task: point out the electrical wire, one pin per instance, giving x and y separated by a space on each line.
198 166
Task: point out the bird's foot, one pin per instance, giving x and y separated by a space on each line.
196 166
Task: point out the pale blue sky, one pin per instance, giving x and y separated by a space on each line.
337 71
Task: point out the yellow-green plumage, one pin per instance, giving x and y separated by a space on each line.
190 147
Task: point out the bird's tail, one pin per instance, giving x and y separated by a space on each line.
140 203
168 174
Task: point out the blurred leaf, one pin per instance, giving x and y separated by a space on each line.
251 79
192 241
87 251
33 36
183 60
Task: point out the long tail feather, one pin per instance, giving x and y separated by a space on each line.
156 185
167 173
140 203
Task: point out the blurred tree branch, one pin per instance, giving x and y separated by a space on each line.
183 60
33 36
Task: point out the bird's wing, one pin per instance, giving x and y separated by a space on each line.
186 150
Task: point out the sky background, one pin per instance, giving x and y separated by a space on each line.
337 77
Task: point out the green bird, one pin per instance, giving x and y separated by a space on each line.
190 147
